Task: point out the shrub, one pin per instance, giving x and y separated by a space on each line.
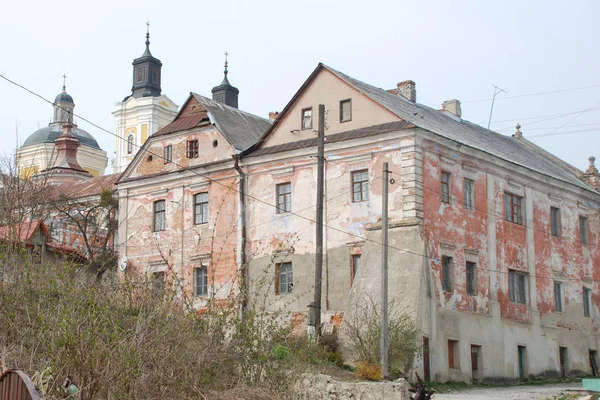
369 371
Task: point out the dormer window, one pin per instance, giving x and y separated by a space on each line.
307 118
130 140
346 110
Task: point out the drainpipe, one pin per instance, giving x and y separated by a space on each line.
242 243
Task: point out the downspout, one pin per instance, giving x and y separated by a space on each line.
242 243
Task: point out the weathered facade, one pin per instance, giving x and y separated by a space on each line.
493 241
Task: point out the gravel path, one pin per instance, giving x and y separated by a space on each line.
512 392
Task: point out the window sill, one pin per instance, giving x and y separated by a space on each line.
201 223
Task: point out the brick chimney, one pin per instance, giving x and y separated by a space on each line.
453 107
591 176
273 115
408 90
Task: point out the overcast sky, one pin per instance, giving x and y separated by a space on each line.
451 49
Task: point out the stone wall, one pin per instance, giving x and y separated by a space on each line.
317 387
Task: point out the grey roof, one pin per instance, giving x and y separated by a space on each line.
462 131
63 97
240 128
52 131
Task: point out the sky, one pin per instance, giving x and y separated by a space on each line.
451 49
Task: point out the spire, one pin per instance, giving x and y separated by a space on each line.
64 82
225 93
146 72
518 134
225 72
147 51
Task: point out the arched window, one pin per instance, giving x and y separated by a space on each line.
130 144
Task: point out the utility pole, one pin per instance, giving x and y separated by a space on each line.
497 91
384 274
316 306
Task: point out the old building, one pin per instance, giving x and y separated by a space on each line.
143 112
493 242
38 152
179 201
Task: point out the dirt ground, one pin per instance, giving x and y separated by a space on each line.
527 392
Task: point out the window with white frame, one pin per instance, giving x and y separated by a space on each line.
284 278
307 118
360 186
284 197
201 208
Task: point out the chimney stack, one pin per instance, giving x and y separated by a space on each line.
407 89
273 115
453 107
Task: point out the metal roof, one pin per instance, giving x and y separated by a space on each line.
52 131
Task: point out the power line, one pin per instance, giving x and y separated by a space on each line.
569 121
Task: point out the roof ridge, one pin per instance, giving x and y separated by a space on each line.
227 107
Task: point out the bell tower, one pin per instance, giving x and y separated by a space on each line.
144 111
226 93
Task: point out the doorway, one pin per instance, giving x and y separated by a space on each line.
522 351
426 368
593 363
562 356
476 367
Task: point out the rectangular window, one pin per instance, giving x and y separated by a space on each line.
555 220
201 208
168 156
557 296
471 279
469 194
360 186
191 148
453 354
158 280
587 300
446 187
284 197
517 286
447 274
201 281
284 278
513 209
307 118
345 110
354 267
583 229
159 216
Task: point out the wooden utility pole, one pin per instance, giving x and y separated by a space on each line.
384 274
319 219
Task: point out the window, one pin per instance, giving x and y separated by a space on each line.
159 216
354 267
345 110
307 118
284 279
516 286
201 208
555 221
447 274
471 279
191 149
587 299
360 186
469 194
36 255
130 140
158 280
583 229
557 296
201 281
284 197
512 208
446 187
168 157
453 354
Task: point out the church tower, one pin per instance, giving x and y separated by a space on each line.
143 112
225 93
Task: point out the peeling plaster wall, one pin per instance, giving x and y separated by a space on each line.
489 318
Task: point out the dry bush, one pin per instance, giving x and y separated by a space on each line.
368 371
132 340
